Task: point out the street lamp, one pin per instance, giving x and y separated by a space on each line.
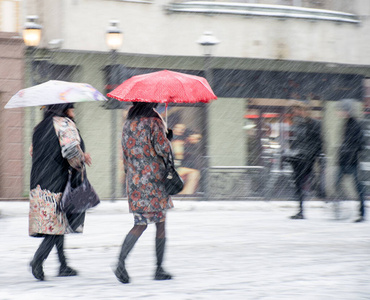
207 41
32 32
31 38
114 38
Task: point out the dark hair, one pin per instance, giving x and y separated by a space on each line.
143 109
57 110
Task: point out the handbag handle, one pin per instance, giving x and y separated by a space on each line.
170 161
82 173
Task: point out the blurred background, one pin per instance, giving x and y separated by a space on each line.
256 55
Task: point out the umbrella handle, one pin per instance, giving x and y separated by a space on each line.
166 112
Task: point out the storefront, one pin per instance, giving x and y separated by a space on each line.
245 128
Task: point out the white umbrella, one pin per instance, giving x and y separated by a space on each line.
55 92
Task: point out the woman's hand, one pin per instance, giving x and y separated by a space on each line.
88 160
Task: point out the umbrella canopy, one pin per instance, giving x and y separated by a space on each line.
164 87
55 92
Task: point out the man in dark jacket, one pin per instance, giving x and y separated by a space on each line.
305 147
348 154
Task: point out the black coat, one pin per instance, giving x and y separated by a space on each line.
352 144
49 167
306 139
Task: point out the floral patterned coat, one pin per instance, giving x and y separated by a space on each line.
145 151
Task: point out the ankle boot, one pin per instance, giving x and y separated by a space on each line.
65 271
160 274
41 255
121 273
128 244
37 270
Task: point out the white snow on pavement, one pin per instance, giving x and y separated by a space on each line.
215 250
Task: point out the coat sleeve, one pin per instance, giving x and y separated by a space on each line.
161 144
70 142
320 147
361 138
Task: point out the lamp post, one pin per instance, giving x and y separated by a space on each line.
113 40
207 41
31 38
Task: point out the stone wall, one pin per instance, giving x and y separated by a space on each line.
11 121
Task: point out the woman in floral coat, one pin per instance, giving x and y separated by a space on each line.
56 145
146 149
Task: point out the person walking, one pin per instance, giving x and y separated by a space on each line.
352 144
146 151
305 147
56 145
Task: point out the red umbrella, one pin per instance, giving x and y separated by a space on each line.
164 87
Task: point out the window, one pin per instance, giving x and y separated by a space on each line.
290 2
317 3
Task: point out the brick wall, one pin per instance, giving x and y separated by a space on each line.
11 120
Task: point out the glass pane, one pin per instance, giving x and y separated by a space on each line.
187 145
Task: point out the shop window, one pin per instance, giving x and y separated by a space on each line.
187 144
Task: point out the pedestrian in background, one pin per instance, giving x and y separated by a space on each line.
305 146
352 144
56 145
146 151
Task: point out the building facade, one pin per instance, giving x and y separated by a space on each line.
11 121
269 52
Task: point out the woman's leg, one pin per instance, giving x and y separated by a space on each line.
298 175
160 243
41 254
338 192
126 248
138 230
64 270
360 187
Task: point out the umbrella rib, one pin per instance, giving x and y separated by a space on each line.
199 81
186 92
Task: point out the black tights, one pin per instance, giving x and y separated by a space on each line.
47 245
138 230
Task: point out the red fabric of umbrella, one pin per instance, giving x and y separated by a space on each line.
164 87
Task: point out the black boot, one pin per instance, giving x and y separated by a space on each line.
41 254
160 274
64 270
360 219
37 270
121 273
298 216
127 246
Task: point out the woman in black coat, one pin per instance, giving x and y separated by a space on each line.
56 145
306 144
348 154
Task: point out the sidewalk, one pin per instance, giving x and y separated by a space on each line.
216 250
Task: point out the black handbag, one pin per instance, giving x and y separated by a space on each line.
79 199
172 181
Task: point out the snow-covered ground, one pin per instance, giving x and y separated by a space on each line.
216 250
